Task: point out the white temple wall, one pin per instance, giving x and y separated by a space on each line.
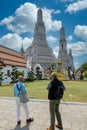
7 70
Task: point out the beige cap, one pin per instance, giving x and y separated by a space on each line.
21 78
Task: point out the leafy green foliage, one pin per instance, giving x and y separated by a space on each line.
84 67
15 73
30 76
38 73
85 74
1 75
83 71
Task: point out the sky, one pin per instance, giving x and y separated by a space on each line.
18 18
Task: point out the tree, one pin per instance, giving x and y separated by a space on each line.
53 66
38 73
30 76
81 76
85 74
1 75
82 70
84 67
15 73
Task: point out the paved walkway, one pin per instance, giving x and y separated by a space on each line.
74 115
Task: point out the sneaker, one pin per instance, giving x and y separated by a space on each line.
29 120
59 126
49 128
18 123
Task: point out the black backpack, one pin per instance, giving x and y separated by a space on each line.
59 93
57 90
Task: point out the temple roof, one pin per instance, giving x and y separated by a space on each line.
11 57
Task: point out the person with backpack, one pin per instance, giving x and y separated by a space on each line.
55 93
17 87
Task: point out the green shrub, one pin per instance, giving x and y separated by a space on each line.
30 76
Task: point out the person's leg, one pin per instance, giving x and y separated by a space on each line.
52 114
58 115
26 109
18 107
25 106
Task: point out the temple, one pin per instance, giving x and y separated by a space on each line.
64 57
40 52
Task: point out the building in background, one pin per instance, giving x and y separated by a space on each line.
40 52
9 57
63 56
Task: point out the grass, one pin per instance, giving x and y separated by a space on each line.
76 91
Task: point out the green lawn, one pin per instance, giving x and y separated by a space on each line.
76 91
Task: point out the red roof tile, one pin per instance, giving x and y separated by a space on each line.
11 57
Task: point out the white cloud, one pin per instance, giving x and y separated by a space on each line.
25 17
78 49
23 20
76 6
69 38
76 64
14 41
27 42
7 20
57 12
51 39
81 31
52 25
11 40
56 51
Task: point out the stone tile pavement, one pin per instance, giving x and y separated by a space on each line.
74 115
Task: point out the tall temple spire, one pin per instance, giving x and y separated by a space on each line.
63 44
62 33
63 56
40 52
22 50
39 16
39 30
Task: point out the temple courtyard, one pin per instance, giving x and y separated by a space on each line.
74 115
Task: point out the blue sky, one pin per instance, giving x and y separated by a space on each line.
18 18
